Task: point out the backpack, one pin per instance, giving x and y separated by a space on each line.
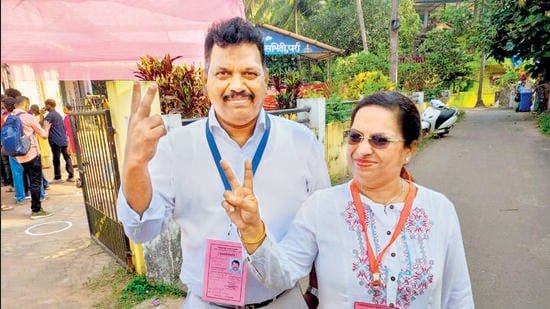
14 141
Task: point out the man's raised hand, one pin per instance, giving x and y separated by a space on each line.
144 133
240 203
144 130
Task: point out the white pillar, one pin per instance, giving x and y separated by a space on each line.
316 115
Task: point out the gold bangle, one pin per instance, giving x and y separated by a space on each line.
256 241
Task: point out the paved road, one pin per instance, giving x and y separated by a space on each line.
46 263
495 167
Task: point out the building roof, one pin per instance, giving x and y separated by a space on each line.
278 41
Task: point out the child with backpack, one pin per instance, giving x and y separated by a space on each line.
30 160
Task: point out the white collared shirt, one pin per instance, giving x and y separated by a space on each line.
188 188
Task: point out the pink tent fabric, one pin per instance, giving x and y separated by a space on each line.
103 39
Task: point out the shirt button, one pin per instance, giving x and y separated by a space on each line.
392 278
391 206
388 233
392 305
393 254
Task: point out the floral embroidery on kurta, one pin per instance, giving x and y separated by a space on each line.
414 277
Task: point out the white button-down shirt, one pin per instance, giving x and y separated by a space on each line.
188 188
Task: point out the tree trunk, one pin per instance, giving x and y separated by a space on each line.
362 25
479 102
297 31
295 12
394 36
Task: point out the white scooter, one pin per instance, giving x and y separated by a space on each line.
438 119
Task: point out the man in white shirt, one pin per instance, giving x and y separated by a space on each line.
178 176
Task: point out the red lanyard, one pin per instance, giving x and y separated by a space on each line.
374 261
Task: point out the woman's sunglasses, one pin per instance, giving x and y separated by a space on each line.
376 141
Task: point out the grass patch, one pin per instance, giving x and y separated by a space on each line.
543 121
115 288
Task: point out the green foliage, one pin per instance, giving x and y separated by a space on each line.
346 68
180 87
410 26
118 289
139 289
543 121
279 64
187 86
521 29
337 111
415 77
287 86
336 24
366 83
509 79
446 57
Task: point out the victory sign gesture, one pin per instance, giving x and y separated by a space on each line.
242 208
144 133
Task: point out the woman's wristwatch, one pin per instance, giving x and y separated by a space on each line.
313 291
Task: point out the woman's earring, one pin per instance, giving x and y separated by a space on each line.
407 159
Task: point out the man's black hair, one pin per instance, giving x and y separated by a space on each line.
233 31
12 92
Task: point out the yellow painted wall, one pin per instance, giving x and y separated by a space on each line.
468 99
335 151
120 100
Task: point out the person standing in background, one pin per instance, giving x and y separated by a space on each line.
20 183
45 149
67 110
31 161
7 179
58 142
46 152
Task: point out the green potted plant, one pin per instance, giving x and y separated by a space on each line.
180 86
288 88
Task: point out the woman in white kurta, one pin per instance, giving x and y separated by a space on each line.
378 241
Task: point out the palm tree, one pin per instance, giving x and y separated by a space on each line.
288 12
258 10
362 25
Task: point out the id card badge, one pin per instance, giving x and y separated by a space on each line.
224 279
360 305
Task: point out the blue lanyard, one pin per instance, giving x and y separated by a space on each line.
217 157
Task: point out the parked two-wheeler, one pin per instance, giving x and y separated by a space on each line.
438 119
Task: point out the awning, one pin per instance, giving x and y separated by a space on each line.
283 42
103 39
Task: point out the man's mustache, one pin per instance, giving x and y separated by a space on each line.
234 94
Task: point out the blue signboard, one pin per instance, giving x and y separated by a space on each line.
279 44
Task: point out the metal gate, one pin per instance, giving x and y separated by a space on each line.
100 178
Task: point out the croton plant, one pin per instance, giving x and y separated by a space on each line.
180 86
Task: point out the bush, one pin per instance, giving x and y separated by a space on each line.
337 111
366 83
139 289
544 123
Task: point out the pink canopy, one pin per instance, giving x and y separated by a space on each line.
103 39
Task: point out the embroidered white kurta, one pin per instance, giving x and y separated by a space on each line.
187 187
424 268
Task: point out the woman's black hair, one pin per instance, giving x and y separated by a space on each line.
408 115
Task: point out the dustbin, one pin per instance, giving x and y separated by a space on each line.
525 100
